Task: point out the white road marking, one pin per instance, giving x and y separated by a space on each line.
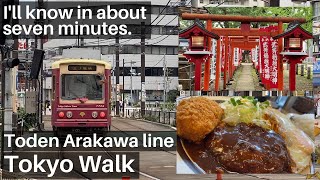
148 176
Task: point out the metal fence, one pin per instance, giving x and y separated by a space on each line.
164 117
159 116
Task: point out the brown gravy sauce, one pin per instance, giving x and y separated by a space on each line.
202 155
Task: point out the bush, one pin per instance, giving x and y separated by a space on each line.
169 106
152 118
30 120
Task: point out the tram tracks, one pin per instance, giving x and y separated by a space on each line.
78 173
81 175
141 129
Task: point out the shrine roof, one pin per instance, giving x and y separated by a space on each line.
197 27
294 27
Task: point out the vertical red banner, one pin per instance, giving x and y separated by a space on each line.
265 60
222 53
269 59
274 64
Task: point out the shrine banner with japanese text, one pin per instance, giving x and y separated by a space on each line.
274 64
265 60
222 53
269 59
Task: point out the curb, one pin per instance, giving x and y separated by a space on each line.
5 175
152 122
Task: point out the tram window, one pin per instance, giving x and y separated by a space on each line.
76 86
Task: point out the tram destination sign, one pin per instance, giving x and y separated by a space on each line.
82 68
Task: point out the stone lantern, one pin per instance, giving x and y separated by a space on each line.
198 51
293 37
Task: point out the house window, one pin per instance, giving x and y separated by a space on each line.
155 50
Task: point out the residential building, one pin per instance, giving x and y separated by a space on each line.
316 28
161 52
248 3
228 3
294 3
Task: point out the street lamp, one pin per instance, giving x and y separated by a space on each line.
197 42
131 74
293 43
198 52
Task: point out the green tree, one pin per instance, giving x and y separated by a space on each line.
172 95
302 12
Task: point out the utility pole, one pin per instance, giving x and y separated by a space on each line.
4 51
143 64
123 87
9 86
82 42
7 94
40 46
117 76
3 87
131 72
112 84
164 80
26 66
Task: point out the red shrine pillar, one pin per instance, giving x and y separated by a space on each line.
198 59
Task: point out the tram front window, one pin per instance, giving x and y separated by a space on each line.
75 86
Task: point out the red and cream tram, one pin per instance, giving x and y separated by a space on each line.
81 95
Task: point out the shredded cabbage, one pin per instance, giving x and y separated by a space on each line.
245 110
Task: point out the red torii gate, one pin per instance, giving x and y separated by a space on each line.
245 31
244 45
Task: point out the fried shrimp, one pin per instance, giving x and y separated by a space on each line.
197 117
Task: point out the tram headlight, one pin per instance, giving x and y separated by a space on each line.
102 114
61 114
94 114
69 114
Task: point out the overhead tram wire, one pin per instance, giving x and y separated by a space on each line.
159 40
109 40
158 62
167 35
161 12
154 19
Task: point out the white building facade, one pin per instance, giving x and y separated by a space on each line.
316 28
161 51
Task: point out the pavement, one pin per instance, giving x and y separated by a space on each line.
302 83
156 165
245 81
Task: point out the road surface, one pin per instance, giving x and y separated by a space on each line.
155 165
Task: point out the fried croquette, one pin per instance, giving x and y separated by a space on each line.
197 117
